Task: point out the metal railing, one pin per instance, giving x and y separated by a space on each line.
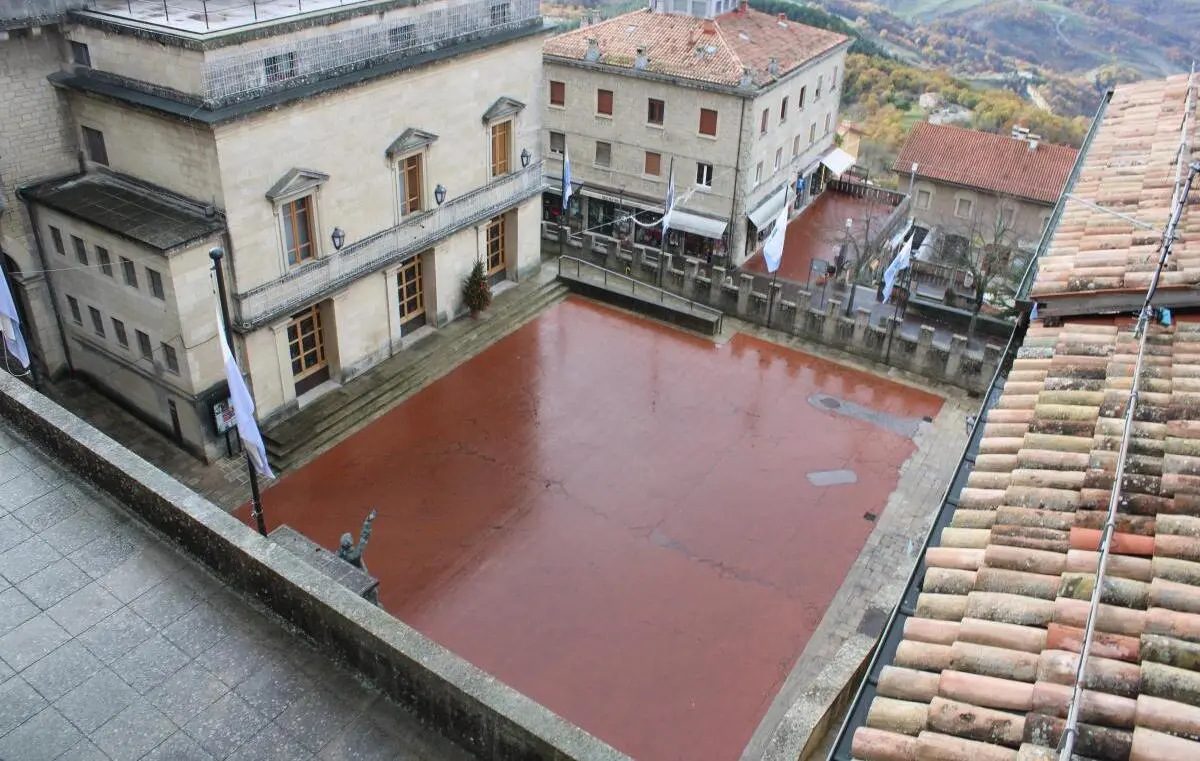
416 233
640 289
17 12
245 74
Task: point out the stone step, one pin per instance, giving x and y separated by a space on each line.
291 445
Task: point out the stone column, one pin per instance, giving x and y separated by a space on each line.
958 347
924 345
715 285
803 303
589 241
991 358
691 268
745 285
774 296
611 260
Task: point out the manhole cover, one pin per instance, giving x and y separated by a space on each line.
830 402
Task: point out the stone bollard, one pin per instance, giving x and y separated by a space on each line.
774 297
691 268
862 321
958 348
924 346
589 245
611 260
833 314
803 302
715 285
991 358
745 286
668 262
564 236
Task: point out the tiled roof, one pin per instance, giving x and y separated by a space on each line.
714 51
986 665
1129 168
995 163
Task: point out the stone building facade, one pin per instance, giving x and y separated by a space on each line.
353 163
736 103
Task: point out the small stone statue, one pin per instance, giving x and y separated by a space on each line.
353 553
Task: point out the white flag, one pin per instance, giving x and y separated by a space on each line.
898 265
243 406
10 325
773 248
566 179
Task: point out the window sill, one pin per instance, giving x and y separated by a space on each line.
605 167
558 106
703 136
606 117
655 125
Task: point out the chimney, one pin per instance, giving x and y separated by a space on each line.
747 79
708 27
593 51
1034 142
773 67
783 17
744 6
641 62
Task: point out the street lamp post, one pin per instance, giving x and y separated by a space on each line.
256 499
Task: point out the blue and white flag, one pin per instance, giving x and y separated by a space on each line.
10 325
566 179
773 247
898 265
669 202
243 406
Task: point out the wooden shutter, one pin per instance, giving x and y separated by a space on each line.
708 121
604 102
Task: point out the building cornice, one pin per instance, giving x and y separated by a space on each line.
180 106
974 188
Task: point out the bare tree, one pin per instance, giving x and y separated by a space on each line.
984 254
860 253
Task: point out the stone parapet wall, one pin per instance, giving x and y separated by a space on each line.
475 710
788 307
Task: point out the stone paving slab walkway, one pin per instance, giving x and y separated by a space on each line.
114 645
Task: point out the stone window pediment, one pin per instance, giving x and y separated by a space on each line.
296 182
411 139
504 108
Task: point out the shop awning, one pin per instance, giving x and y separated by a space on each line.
626 201
838 161
769 209
698 225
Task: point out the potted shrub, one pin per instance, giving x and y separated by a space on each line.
477 292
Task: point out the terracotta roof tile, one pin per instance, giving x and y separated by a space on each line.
713 51
994 163
985 665
1129 168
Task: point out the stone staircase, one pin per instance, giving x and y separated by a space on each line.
339 413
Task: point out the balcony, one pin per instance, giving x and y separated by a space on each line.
279 298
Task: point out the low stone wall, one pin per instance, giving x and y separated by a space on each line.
473 709
787 307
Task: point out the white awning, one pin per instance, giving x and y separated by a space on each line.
838 161
769 209
626 201
697 225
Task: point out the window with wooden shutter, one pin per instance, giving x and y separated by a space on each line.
708 122
558 94
604 102
501 148
653 164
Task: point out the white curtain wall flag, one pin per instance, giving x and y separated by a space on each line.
243 406
773 248
898 265
10 326
669 202
566 178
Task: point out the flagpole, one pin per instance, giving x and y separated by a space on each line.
255 497
662 243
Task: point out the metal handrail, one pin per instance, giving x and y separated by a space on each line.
694 307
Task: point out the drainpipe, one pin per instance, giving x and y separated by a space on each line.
737 184
41 252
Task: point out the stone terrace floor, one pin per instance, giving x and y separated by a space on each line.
113 645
